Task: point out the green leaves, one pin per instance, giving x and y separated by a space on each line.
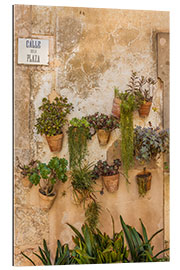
53 116
34 178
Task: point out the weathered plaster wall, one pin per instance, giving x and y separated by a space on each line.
91 51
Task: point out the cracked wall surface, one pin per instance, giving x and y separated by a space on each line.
91 51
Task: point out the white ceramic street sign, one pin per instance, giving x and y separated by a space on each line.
33 51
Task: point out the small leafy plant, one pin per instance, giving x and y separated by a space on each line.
102 168
29 169
53 116
63 255
149 143
141 88
102 121
78 134
52 172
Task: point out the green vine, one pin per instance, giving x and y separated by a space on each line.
92 213
78 134
127 131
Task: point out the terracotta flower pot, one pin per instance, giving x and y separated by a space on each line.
111 182
116 107
144 182
103 136
55 142
46 201
26 182
145 109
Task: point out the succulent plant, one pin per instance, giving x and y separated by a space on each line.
102 121
150 142
53 116
29 169
102 168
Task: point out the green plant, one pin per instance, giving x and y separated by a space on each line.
78 134
102 121
141 88
102 168
55 170
149 143
92 213
53 116
128 105
63 255
29 169
82 182
139 245
95 247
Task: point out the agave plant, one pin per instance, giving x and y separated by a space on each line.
95 247
63 255
140 246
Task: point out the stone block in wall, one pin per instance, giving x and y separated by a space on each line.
22 20
30 226
43 20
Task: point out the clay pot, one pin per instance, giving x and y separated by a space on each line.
144 181
116 107
46 201
26 182
55 142
145 109
103 136
111 182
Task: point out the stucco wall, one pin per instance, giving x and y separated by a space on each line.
91 51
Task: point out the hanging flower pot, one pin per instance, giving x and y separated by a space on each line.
116 107
111 182
55 142
26 182
145 109
46 201
144 182
103 136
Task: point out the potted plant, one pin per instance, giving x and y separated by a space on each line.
78 134
143 180
109 173
26 171
116 104
46 176
149 143
52 120
142 89
103 125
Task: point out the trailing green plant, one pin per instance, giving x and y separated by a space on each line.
29 169
150 142
102 121
95 247
53 116
102 168
78 134
127 106
50 173
92 213
63 255
140 247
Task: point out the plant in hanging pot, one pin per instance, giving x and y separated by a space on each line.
142 89
109 173
103 125
116 103
78 134
47 176
149 143
143 180
26 171
52 120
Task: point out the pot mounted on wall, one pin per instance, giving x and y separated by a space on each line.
145 109
116 108
55 142
103 136
111 182
144 182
